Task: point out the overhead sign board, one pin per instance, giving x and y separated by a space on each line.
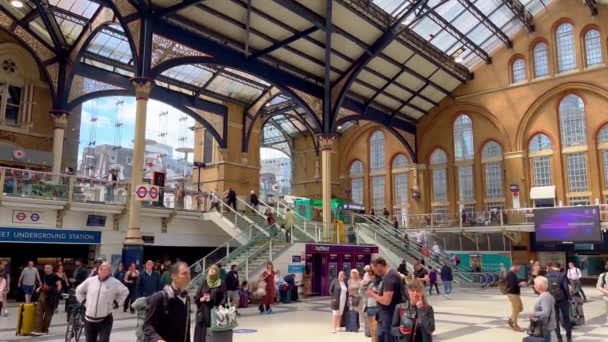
32 235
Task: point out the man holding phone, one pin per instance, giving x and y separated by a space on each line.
391 295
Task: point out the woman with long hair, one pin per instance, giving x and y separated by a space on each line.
130 281
370 306
269 278
338 291
354 285
212 293
414 320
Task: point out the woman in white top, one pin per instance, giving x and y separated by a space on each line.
338 291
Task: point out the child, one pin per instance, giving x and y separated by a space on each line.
244 295
433 281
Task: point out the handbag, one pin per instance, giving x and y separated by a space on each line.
261 290
223 318
537 327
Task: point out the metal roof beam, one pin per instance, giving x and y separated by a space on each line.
343 84
487 22
31 15
359 43
204 86
592 4
44 10
521 13
285 42
303 12
466 41
380 19
171 10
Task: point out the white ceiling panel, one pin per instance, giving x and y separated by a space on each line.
421 65
433 93
362 90
372 79
299 62
387 102
398 92
421 103
398 52
410 81
445 80
380 65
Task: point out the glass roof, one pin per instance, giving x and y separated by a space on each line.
111 43
466 23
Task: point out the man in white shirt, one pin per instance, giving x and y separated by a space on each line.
100 293
602 285
574 278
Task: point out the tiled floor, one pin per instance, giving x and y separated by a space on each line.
469 316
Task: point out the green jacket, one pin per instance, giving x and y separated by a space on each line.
165 279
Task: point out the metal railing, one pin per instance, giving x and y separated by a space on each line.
310 229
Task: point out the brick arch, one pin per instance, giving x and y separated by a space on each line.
557 91
470 109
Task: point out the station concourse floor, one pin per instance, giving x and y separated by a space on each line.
470 315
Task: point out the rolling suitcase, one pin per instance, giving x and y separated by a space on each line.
218 336
351 320
285 294
26 315
243 299
577 315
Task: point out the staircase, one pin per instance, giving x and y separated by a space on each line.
390 240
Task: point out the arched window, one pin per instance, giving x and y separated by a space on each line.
540 157
400 180
463 138
356 182
602 142
572 121
464 150
593 48
377 151
541 60
491 158
518 70
439 160
564 41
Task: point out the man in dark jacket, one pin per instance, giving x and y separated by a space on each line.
168 315
232 286
558 287
253 200
402 267
231 198
149 281
446 279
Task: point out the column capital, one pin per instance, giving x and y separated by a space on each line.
515 155
244 158
60 118
326 142
143 87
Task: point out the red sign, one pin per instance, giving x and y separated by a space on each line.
153 193
20 216
141 192
515 194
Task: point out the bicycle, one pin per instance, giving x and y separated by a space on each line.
75 315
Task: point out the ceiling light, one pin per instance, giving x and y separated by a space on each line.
458 60
339 128
17 3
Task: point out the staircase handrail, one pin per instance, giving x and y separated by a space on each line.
225 205
202 261
389 228
303 230
415 252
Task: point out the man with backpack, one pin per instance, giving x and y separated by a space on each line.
168 311
602 285
558 287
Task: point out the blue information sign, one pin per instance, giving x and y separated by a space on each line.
295 269
31 235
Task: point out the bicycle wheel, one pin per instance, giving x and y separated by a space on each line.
69 331
78 327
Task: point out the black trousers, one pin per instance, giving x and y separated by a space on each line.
99 331
263 307
562 308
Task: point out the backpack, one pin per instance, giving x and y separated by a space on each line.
141 306
555 286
